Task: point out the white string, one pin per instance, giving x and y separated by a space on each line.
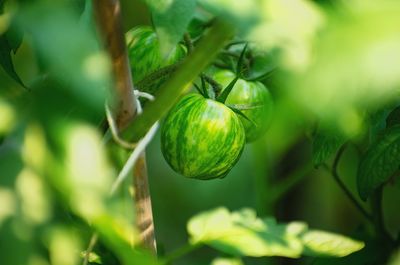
130 163
139 147
114 130
113 126
144 95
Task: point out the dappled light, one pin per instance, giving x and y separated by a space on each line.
184 132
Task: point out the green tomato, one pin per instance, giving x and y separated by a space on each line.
253 99
144 52
202 138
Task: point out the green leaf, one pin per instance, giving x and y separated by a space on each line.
377 122
171 19
393 118
226 261
80 64
374 252
243 14
324 145
9 43
87 14
14 37
241 233
395 259
92 258
262 76
381 161
320 243
262 64
225 92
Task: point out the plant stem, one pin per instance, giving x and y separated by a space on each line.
182 251
376 205
215 85
263 76
340 183
92 243
263 174
229 53
109 23
232 43
220 64
148 80
291 181
179 82
188 42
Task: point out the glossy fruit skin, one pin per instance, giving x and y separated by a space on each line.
202 138
144 52
253 99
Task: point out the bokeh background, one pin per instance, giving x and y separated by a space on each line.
45 134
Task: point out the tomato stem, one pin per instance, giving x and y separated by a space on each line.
336 177
180 252
214 84
292 180
150 79
376 205
188 42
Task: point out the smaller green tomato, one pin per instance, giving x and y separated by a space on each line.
144 52
202 138
253 99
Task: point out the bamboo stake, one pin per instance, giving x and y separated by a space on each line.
108 16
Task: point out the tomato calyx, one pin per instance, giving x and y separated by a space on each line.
241 114
225 93
222 98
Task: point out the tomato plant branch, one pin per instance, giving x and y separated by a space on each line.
376 205
179 82
233 43
282 188
148 80
92 243
188 42
180 252
221 64
214 84
336 177
109 23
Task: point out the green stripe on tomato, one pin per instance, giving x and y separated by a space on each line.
202 138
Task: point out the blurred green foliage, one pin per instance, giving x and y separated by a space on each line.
333 70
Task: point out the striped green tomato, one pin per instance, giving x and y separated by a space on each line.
202 138
144 52
253 99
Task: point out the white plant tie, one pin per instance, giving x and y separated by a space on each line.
138 147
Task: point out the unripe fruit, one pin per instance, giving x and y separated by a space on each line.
253 99
202 138
144 52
